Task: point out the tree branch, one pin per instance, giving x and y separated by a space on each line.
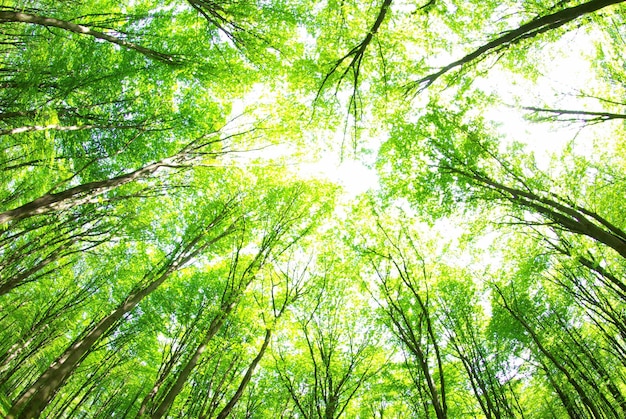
528 30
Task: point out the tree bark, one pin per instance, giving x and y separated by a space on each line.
9 16
358 52
176 388
528 30
572 218
78 194
246 379
582 393
576 115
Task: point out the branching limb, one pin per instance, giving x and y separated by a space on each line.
530 29
356 54
568 115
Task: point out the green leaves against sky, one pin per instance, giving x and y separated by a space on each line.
170 245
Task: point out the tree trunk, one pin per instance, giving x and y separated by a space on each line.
571 218
575 115
246 379
57 127
582 393
50 22
176 388
168 364
527 30
78 194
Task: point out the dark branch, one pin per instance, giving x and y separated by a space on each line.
568 115
356 54
528 30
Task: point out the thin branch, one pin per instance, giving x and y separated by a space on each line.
355 55
587 117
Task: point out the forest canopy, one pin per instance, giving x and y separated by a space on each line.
313 209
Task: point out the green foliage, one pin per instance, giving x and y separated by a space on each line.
163 254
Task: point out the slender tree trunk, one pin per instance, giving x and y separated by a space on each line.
59 245
406 335
57 127
246 379
148 399
572 412
8 371
176 388
79 194
438 399
50 22
167 365
571 218
25 276
9 115
582 393
527 30
89 388
230 299
475 374
35 399
590 359
576 115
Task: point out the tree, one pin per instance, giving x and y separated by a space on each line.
568 361
418 335
166 249
88 192
242 272
464 160
15 16
335 357
511 37
285 289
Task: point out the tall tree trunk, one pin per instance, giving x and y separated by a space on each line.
582 393
567 403
406 333
232 296
57 127
176 351
80 194
575 115
176 388
568 217
246 379
50 22
528 30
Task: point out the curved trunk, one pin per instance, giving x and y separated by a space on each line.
78 194
176 388
246 379
50 22
528 30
